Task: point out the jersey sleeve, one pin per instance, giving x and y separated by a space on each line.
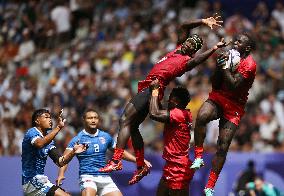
72 143
246 69
175 115
179 116
33 135
50 146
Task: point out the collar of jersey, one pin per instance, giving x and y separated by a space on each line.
38 131
93 135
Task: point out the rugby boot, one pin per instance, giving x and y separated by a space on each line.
197 164
209 192
139 174
111 166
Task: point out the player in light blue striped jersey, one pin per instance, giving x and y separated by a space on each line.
92 181
36 146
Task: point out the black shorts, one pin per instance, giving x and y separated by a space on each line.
141 102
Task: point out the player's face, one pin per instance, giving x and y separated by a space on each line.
91 120
241 43
258 184
188 47
44 121
173 102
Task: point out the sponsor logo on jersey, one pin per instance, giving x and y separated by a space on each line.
103 140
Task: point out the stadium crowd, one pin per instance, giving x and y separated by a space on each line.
81 54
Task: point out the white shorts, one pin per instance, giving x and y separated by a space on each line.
38 186
102 184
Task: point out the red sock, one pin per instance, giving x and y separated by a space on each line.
118 152
198 151
139 153
212 180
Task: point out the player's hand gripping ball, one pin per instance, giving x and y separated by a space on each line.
233 60
229 60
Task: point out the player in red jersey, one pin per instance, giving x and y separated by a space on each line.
168 68
227 102
178 121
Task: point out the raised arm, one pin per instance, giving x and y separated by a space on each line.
41 142
200 58
232 81
155 112
186 26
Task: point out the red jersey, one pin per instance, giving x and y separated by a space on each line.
239 96
177 136
168 68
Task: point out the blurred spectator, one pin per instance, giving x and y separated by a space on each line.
259 187
27 47
60 15
248 175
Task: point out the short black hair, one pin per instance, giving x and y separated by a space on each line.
89 110
251 41
182 95
38 113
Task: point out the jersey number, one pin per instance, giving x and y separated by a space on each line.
97 147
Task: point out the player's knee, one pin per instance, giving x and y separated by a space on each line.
222 147
222 152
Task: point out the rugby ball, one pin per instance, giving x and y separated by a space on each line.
233 60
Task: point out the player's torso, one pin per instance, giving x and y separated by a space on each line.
33 159
177 138
166 69
169 67
94 157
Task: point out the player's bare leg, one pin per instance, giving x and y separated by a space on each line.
138 145
180 192
226 133
114 193
129 124
162 188
89 192
128 117
206 113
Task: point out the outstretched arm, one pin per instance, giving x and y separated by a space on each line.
155 112
232 81
198 59
67 156
186 26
